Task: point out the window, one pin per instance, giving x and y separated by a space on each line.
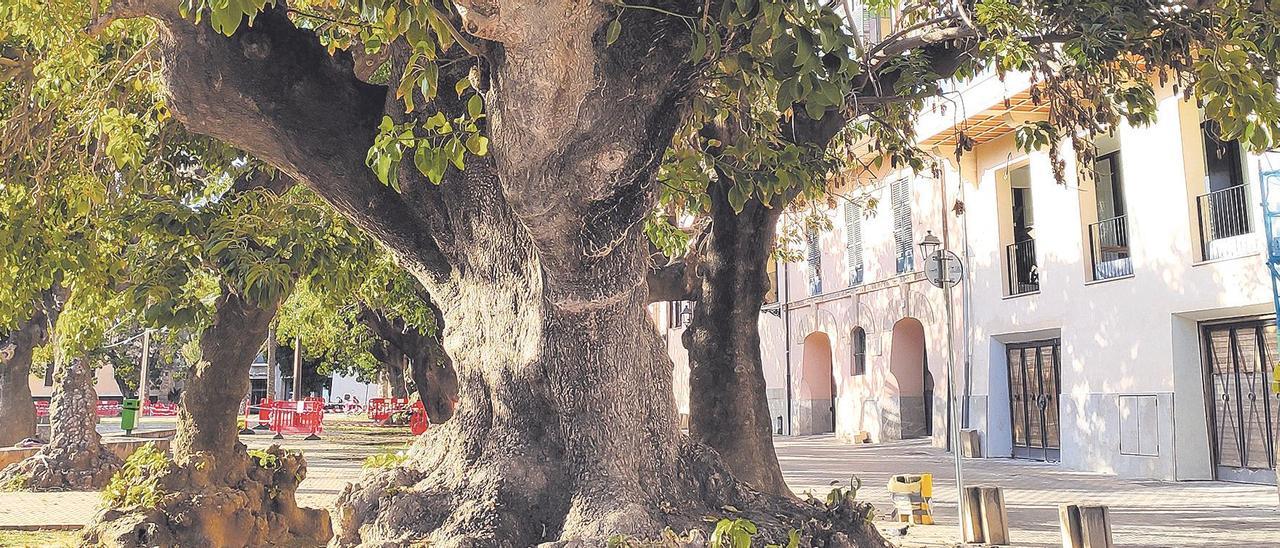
676 312
1223 210
859 339
853 241
48 374
903 240
1020 256
1109 237
814 250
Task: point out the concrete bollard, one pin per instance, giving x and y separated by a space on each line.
986 520
1085 526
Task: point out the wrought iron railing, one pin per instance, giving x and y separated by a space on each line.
1109 247
1223 214
1024 276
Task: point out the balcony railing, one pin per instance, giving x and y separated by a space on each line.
1024 277
1109 245
1224 215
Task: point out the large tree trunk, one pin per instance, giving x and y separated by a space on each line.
728 407
17 411
565 426
214 493
74 459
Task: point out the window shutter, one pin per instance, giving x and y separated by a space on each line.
853 241
900 197
815 262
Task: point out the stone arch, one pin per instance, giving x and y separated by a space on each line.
908 416
815 394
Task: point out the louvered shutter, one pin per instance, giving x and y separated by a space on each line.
900 197
853 241
815 262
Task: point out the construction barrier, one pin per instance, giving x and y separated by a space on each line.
160 409
381 409
912 496
42 408
109 408
418 419
297 417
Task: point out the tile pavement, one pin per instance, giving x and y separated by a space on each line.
1144 513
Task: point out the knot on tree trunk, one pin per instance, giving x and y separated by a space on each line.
229 499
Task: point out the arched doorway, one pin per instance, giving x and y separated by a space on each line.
908 368
815 404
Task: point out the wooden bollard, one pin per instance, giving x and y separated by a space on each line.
995 519
1085 526
985 519
971 521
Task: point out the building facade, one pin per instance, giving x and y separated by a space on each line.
1119 322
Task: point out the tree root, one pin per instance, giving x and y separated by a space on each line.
232 499
441 500
61 468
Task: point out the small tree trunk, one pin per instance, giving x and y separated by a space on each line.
394 366
74 459
17 413
17 410
728 405
213 492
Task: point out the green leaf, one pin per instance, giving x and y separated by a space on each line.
475 106
478 144
614 30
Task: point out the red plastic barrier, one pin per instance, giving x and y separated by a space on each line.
418 422
297 417
159 409
264 411
108 408
42 408
381 409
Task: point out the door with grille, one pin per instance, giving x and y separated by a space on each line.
1242 413
1034 384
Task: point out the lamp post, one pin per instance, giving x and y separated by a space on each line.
944 269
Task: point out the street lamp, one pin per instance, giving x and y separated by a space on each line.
944 269
929 245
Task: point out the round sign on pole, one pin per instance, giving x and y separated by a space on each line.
943 267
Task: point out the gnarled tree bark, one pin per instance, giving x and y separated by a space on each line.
214 493
565 426
74 459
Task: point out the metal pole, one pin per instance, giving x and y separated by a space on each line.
272 367
297 368
144 394
786 332
952 400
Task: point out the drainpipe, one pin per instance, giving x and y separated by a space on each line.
966 299
786 332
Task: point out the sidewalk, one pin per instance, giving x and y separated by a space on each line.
1143 513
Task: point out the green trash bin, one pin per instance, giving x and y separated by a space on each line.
129 415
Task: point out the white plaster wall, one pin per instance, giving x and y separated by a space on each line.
1119 337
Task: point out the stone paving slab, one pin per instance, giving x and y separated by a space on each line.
1143 513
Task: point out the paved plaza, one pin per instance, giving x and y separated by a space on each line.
1144 513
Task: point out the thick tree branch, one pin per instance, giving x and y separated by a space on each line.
274 91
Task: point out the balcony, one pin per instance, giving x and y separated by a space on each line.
1024 276
1224 223
1109 248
